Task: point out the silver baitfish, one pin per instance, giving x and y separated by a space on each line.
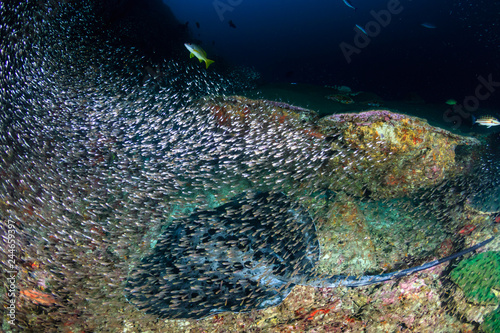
211 262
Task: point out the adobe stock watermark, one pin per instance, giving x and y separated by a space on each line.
225 6
372 29
470 104
11 273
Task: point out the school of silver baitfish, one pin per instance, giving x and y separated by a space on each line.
98 159
244 255
97 156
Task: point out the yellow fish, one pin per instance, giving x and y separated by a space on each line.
198 52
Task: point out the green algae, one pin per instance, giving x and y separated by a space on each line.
492 322
477 277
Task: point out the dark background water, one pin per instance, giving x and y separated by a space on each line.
299 41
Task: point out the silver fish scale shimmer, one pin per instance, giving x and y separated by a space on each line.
96 157
243 255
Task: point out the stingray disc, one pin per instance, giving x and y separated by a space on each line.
246 254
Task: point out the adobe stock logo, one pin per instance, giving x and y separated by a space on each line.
225 6
483 91
362 39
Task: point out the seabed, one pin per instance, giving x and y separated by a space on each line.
374 213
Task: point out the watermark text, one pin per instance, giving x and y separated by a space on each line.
11 273
460 111
221 7
363 35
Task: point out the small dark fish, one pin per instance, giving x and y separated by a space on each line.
260 272
428 25
232 25
198 25
361 29
349 4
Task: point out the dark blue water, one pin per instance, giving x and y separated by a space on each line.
299 41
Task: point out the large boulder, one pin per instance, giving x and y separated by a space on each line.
376 154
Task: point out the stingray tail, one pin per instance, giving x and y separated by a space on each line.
353 281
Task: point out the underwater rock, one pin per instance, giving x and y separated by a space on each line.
230 111
345 227
245 255
376 154
390 154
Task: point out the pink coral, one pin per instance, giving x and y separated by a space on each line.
433 172
414 284
368 116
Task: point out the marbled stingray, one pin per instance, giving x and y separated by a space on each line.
246 254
